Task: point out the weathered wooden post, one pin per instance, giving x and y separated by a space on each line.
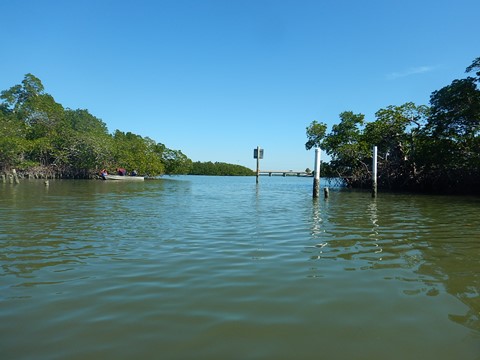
326 192
316 178
15 177
374 172
258 154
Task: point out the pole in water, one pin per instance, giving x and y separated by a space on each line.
374 172
316 178
258 154
258 163
15 177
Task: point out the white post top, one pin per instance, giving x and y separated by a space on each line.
317 163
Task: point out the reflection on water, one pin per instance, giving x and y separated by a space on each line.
372 209
435 238
225 268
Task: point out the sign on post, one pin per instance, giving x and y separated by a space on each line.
258 154
255 153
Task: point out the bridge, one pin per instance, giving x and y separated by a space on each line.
284 173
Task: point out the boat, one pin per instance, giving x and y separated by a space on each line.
123 178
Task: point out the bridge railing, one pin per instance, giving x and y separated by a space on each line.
284 173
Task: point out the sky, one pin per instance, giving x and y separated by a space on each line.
217 78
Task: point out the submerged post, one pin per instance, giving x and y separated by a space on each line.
374 172
316 178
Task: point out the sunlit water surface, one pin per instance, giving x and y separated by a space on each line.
222 268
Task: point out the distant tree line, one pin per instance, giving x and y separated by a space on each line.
219 169
40 135
432 148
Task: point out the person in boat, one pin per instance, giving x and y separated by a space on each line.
133 173
121 171
104 174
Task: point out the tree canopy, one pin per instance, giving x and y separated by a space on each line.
219 169
38 132
426 148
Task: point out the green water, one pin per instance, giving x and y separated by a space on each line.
220 268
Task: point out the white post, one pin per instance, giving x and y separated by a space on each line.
316 178
374 172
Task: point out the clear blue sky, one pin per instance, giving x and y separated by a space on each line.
216 78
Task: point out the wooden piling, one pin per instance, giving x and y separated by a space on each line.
326 192
15 177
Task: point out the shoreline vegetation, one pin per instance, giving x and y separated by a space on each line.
425 149
197 168
219 169
428 149
41 138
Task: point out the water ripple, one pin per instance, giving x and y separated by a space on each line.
220 267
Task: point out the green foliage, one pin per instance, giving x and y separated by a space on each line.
176 163
434 148
455 110
36 130
450 151
11 151
344 142
474 66
12 141
134 152
327 170
345 145
395 133
83 122
315 134
17 96
219 169
87 143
